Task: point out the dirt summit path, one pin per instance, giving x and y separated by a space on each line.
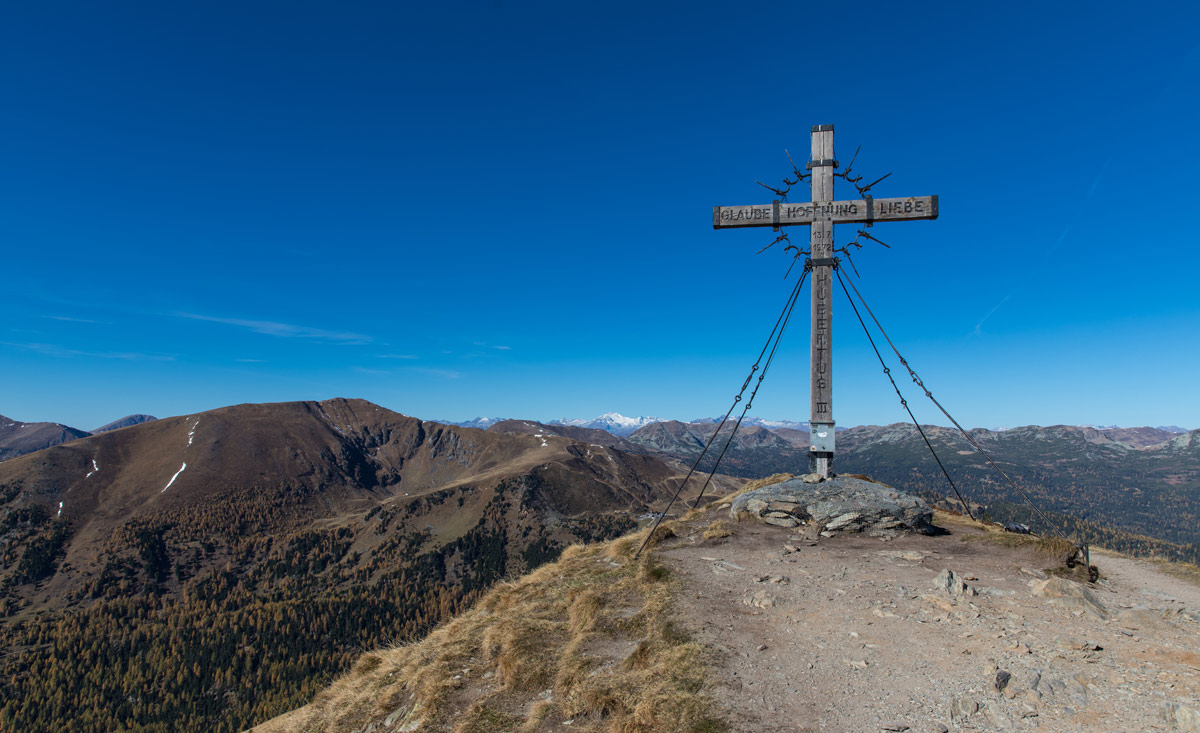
854 633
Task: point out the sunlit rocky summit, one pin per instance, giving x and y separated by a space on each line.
744 624
837 504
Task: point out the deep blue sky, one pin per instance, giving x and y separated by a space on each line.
505 208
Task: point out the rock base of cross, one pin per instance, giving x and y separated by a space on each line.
840 504
821 464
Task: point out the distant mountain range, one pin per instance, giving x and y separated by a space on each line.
618 424
612 422
271 542
1105 484
18 438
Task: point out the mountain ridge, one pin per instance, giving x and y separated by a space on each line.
269 542
19 438
124 422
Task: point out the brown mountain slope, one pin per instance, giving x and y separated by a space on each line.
592 436
349 453
265 542
1143 437
18 438
755 452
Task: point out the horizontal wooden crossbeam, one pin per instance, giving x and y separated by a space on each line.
859 210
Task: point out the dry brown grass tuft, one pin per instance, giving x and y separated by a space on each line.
664 531
588 638
717 530
943 518
1061 555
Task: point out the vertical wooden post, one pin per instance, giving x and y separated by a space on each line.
820 214
821 425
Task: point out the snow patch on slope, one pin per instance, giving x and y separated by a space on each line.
174 477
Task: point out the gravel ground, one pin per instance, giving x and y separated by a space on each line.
849 633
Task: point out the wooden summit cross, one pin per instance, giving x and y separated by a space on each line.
821 214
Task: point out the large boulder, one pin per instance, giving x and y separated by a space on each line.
839 504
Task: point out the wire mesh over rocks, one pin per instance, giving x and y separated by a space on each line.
838 504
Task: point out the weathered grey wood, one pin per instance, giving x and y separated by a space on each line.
821 345
821 213
908 208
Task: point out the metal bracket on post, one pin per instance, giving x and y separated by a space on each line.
821 437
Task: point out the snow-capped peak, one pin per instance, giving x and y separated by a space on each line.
613 422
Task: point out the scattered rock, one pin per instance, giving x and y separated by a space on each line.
1069 594
962 708
1184 718
1075 644
841 521
761 599
780 519
1143 619
997 718
952 584
897 727
1002 680
1190 614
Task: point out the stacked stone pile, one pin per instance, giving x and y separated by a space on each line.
838 504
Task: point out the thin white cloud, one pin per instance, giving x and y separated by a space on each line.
979 326
1066 232
71 319
443 373
373 372
62 351
284 330
397 356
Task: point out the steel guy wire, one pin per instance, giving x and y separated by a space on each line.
903 402
970 439
776 333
